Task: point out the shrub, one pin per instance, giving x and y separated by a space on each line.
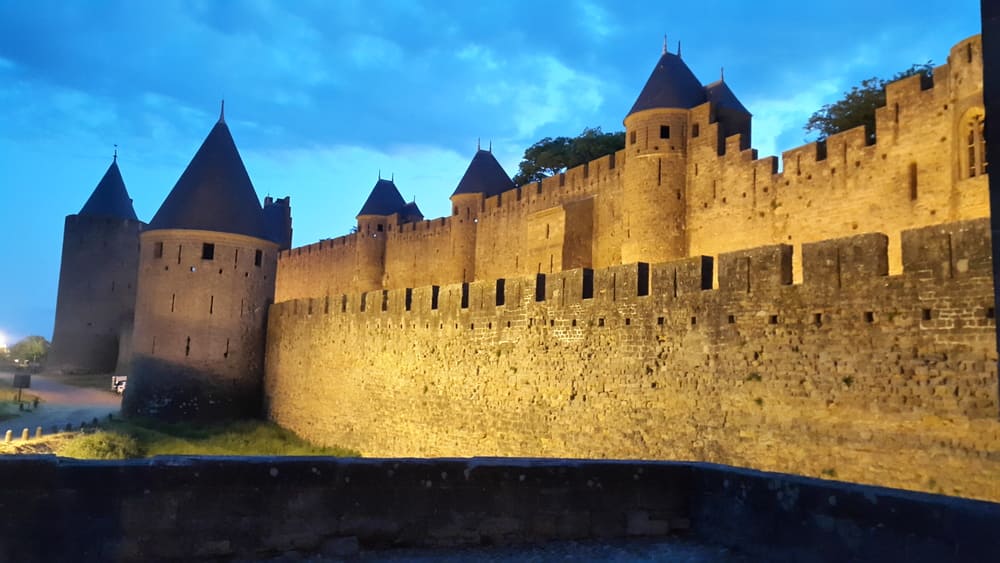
102 445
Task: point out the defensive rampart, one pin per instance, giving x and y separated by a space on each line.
248 509
853 373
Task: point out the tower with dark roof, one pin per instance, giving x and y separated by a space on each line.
482 179
655 175
97 281
206 278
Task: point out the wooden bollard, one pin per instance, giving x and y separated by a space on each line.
38 432
8 436
25 434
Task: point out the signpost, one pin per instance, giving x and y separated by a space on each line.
21 381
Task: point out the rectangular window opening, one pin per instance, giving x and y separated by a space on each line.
631 138
642 285
157 250
207 251
501 292
869 316
925 314
465 295
409 299
258 257
664 131
695 130
435 292
588 283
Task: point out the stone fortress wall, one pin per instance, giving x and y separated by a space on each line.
852 373
922 169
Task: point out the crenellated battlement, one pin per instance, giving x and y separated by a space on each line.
948 252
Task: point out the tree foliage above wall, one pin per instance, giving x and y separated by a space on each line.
857 107
551 156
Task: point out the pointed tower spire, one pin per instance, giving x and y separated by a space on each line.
214 193
671 85
222 112
110 198
664 44
115 157
484 176
722 73
678 47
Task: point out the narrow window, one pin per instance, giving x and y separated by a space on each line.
173 301
187 347
207 251
379 228
913 181
547 231
179 247
157 250
226 353
211 304
631 138
257 257
236 259
152 350
695 130
664 131
971 146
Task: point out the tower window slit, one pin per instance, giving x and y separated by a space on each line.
211 304
258 256
187 347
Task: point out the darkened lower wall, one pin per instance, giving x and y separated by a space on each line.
208 508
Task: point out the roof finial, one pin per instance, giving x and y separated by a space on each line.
678 47
222 112
115 157
722 73
664 43
379 173
393 177
491 146
479 146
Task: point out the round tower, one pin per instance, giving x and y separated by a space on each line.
97 280
483 178
373 227
654 178
206 279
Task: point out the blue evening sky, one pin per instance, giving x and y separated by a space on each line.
321 95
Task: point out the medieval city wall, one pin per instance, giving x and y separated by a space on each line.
915 173
868 377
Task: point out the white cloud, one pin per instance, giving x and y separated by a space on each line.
597 20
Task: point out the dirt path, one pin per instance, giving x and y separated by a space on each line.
61 405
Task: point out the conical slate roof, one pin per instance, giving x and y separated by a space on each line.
384 200
484 176
214 193
722 97
110 198
411 212
671 85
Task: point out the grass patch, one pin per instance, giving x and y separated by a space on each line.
102 445
130 439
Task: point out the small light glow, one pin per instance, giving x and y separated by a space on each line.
3 342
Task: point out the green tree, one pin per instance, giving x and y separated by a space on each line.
552 156
857 107
31 348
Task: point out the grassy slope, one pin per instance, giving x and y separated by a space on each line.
135 439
